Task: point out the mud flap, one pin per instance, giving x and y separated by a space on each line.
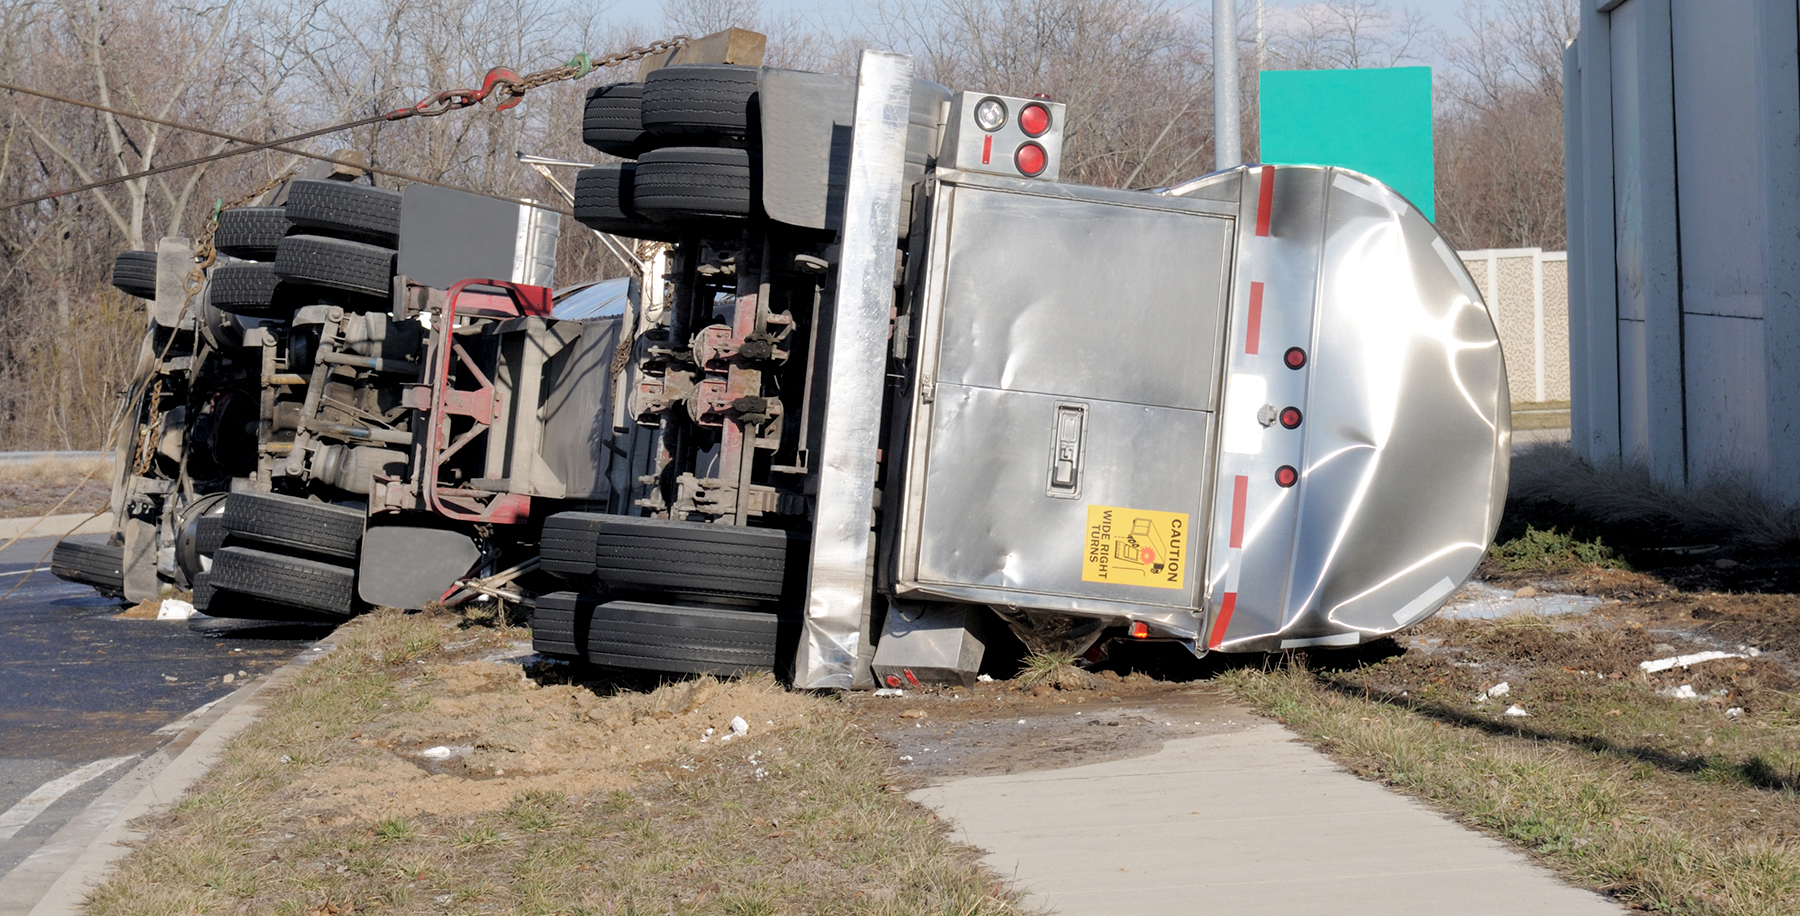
408 566
141 581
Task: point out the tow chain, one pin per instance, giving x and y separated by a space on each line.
509 88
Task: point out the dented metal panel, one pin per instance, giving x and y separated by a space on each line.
1399 458
1061 422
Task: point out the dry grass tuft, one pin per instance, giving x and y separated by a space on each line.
32 488
1053 671
1727 511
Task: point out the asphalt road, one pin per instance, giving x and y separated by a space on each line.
84 693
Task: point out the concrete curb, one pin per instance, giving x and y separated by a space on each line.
55 526
57 878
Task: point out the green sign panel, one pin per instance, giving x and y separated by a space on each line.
1376 121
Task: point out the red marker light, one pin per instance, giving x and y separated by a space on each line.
1286 476
1034 120
1295 357
1140 630
1031 160
1290 417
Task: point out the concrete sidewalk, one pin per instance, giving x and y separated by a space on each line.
1244 822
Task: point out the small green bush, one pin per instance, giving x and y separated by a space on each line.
1551 549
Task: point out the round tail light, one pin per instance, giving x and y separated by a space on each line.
1031 160
1295 357
990 114
1290 417
1034 120
1286 476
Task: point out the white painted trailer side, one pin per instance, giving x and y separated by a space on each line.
1682 162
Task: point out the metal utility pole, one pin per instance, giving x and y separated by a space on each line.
1261 46
1227 151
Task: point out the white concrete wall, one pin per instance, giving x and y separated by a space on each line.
1527 290
1682 160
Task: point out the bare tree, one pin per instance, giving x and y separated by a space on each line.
1134 74
1344 35
1499 131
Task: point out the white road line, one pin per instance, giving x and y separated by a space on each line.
16 572
27 810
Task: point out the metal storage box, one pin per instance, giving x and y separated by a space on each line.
1058 444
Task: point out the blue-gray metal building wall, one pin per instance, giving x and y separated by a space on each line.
1682 160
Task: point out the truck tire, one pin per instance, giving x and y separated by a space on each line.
683 185
654 637
219 627
291 582
603 203
655 555
700 103
217 612
357 267
297 524
251 233
250 289
99 565
339 208
203 591
611 123
134 273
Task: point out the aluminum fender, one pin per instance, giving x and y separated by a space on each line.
1364 434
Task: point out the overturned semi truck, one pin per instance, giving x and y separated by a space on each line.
879 377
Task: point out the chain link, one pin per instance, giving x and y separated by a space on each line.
508 88
204 252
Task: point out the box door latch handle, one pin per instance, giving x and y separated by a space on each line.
1066 450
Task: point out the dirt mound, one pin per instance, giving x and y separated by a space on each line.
472 735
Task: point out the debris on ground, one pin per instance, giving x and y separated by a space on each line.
174 609
1684 661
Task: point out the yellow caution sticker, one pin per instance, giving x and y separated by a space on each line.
1135 547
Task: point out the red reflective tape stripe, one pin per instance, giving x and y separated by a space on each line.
1224 619
1265 200
987 148
1253 327
1240 494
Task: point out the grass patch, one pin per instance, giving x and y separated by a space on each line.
796 817
1551 550
32 488
1669 805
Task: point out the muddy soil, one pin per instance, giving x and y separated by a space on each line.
938 734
